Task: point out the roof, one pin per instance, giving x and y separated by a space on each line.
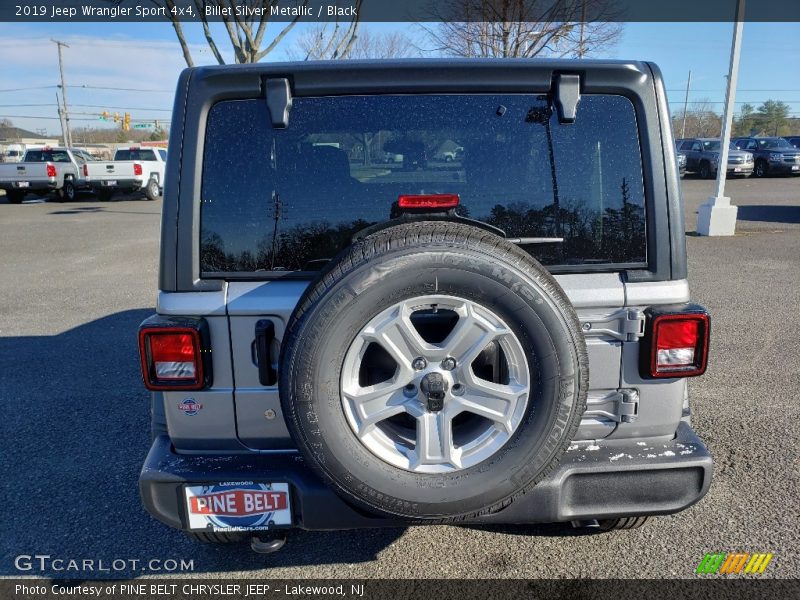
11 133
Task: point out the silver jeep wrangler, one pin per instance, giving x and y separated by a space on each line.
345 342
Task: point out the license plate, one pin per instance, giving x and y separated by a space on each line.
23 183
737 169
111 182
238 506
795 167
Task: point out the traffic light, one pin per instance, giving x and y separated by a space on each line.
105 115
126 124
116 117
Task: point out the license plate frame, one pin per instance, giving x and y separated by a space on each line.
23 184
238 506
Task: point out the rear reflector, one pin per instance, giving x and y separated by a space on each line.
137 169
171 358
428 201
679 345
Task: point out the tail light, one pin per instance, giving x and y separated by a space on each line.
85 170
676 343
137 169
174 354
435 201
51 170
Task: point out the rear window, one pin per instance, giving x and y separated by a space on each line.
59 156
287 200
135 155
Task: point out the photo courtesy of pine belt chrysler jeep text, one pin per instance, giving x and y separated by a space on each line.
494 329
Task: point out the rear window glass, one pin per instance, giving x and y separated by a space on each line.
289 199
135 155
59 156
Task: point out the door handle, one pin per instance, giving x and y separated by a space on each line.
265 335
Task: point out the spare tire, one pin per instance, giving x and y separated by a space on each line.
434 371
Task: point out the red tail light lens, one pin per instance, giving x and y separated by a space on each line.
428 201
137 169
171 358
51 170
85 170
679 345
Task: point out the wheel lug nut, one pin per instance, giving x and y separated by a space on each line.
457 389
410 390
419 363
449 363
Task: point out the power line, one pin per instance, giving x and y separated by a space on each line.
118 89
704 101
88 106
737 91
38 117
25 89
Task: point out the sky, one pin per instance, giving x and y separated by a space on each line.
146 56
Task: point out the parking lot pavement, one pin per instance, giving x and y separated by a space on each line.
78 278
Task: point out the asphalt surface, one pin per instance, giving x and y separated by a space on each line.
77 278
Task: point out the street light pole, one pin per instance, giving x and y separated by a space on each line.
685 102
717 216
67 132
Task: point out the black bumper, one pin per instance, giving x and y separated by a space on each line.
611 481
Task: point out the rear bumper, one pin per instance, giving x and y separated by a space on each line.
611 481
121 184
33 186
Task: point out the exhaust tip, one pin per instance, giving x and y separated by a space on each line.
266 546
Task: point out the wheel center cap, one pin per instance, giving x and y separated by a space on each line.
434 386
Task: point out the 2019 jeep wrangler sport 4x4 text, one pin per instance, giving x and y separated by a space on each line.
342 342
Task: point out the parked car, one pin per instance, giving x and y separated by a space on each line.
14 153
794 141
451 155
391 157
702 157
681 164
773 155
488 356
45 170
132 169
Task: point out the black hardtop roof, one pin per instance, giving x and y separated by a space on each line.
502 74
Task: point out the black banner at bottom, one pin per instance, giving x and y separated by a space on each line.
400 589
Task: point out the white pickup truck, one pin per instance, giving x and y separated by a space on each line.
132 169
45 170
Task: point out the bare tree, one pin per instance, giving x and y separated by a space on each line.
523 28
701 120
325 42
247 35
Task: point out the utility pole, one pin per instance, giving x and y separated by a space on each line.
67 133
717 216
685 102
61 120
